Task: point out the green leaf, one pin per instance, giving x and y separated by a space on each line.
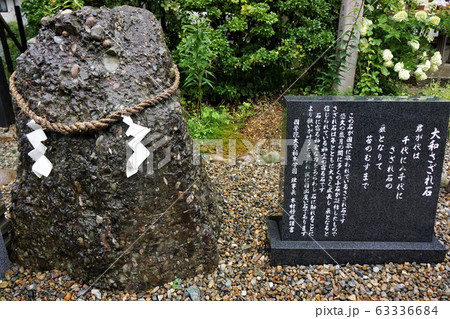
376 42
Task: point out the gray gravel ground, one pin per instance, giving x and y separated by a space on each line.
8 159
250 193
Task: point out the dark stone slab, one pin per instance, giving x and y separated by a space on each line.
4 260
363 170
342 252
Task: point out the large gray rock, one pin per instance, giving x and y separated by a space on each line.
82 66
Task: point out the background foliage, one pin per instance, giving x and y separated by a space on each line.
374 75
13 50
259 46
35 10
231 51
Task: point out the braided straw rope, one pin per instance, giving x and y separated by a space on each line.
80 127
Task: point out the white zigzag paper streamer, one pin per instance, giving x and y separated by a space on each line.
140 152
42 166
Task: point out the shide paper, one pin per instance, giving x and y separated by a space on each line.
140 152
42 166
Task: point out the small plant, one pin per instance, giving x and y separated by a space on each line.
176 283
196 56
211 123
243 112
437 89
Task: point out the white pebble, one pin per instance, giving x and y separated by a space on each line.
96 293
67 11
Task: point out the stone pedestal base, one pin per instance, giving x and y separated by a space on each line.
5 224
342 252
4 260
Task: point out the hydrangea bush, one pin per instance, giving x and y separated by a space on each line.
395 44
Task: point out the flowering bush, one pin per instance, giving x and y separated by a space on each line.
395 44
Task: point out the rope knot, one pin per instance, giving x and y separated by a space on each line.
94 125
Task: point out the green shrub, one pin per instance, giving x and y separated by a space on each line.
259 46
444 26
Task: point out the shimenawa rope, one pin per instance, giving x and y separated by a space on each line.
94 125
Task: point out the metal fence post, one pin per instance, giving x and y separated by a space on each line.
7 53
6 110
23 37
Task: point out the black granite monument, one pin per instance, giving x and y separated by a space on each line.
4 260
361 181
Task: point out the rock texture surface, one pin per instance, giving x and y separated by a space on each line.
82 66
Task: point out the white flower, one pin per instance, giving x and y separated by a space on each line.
363 30
387 55
365 24
388 64
367 21
414 44
363 44
398 66
434 20
436 59
426 66
433 68
404 75
420 74
400 16
430 38
421 16
425 54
